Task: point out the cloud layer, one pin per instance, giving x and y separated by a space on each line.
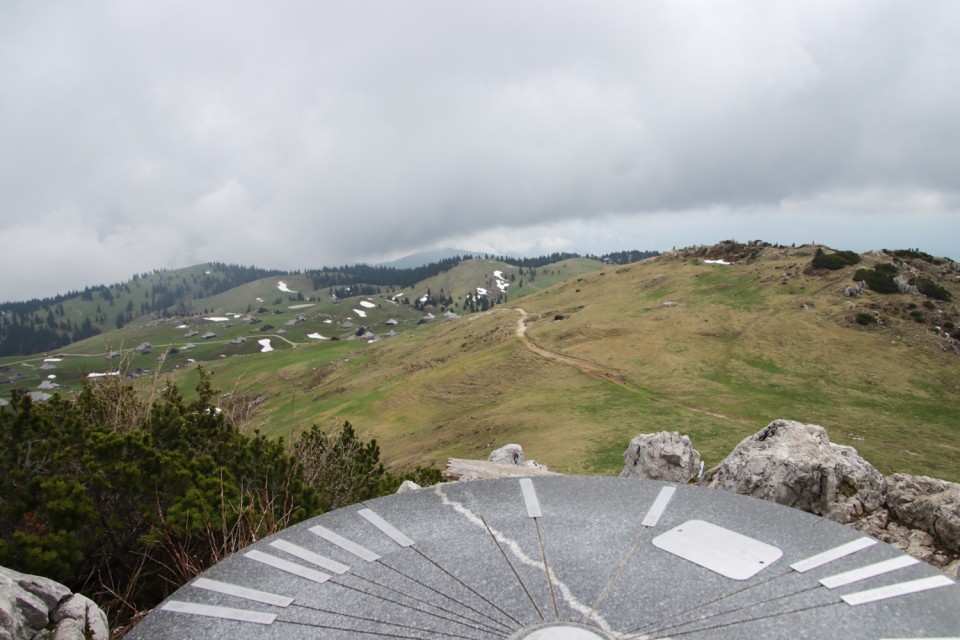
294 134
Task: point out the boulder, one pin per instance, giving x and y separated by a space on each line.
507 454
33 607
796 465
408 485
666 455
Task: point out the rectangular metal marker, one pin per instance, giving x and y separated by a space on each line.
832 554
869 571
313 558
658 507
226 613
530 498
351 547
395 534
720 550
286 565
242 592
895 590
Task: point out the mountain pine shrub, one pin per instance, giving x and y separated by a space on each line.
834 261
127 500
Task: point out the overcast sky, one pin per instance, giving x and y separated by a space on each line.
140 134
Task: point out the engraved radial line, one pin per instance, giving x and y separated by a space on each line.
466 586
456 614
802 566
700 605
546 569
382 634
738 609
405 541
534 512
739 622
366 618
513 569
443 595
455 620
616 573
651 519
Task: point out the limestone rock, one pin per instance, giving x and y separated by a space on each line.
507 454
408 485
36 607
661 456
796 465
463 470
928 504
78 611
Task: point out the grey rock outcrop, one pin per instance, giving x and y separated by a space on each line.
903 284
666 455
796 465
854 291
34 608
458 469
507 454
505 462
921 516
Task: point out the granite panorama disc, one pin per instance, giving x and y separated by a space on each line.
563 558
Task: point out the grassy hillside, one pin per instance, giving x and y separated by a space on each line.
673 343
715 351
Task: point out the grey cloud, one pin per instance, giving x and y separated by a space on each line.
301 133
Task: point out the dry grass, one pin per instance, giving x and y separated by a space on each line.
713 351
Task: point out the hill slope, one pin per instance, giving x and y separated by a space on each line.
712 350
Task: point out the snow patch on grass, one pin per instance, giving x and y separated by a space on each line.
362 314
316 336
265 343
283 287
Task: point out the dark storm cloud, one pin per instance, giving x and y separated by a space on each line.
141 134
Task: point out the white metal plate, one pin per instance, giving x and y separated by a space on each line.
720 550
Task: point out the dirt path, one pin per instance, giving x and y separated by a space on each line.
590 368
593 369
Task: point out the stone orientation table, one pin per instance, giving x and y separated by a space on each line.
563 558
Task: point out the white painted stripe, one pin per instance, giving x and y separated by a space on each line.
658 507
830 555
895 590
395 534
530 498
242 592
313 558
211 611
286 565
351 547
869 571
